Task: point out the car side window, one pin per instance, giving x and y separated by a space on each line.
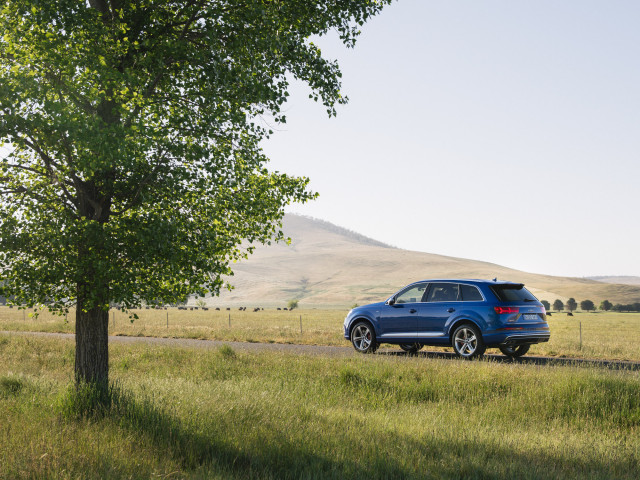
443 292
469 293
412 294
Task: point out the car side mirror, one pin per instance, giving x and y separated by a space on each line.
391 301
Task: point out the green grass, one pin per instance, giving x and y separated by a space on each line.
191 413
612 335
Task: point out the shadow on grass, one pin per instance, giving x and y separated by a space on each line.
212 453
527 360
354 451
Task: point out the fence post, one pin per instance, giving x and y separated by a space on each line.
167 318
580 335
300 324
113 316
229 320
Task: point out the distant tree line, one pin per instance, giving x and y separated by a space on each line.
588 306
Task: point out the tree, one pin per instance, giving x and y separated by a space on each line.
571 304
135 171
558 306
587 305
292 304
546 305
606 305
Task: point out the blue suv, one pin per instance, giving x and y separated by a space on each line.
469 315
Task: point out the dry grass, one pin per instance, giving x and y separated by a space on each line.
611 335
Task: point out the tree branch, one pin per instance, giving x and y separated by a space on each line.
100 5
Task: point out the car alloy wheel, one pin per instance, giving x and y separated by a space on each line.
515 351
410 347
363 338
467 342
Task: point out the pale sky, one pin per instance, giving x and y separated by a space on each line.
504 131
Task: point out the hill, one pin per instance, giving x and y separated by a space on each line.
327 265
627 280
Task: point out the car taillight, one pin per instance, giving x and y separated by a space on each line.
501 310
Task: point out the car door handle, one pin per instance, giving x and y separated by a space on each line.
451 310
413 310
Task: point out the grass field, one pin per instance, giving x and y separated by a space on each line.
610 335
182 413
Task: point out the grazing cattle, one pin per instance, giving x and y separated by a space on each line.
257 309
205 308
217 308
228 308
279 308
569 314
284 308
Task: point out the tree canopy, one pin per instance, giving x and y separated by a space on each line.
606 305
134 169
587 305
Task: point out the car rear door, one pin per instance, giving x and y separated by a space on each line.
441 301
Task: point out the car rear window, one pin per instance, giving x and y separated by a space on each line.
443 292
512 292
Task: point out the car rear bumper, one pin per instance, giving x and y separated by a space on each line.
519 337
525 338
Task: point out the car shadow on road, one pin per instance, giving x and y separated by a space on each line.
527 360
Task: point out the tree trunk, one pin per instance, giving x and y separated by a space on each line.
92 309
92 346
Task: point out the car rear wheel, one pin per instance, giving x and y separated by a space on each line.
515 351
364 338
410 347
467 341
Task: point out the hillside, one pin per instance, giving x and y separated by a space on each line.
627 280
327 265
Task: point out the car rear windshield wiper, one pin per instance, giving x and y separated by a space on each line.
529 300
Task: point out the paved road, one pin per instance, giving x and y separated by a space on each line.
322 350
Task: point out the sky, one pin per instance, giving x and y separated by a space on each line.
502 131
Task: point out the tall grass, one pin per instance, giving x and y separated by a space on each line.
182 413
609 335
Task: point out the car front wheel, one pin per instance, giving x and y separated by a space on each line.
515 351
364 338
410 347
467 341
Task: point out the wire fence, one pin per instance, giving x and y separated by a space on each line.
240 324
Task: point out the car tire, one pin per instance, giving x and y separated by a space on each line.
410 347
363 338
467 341
515 351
